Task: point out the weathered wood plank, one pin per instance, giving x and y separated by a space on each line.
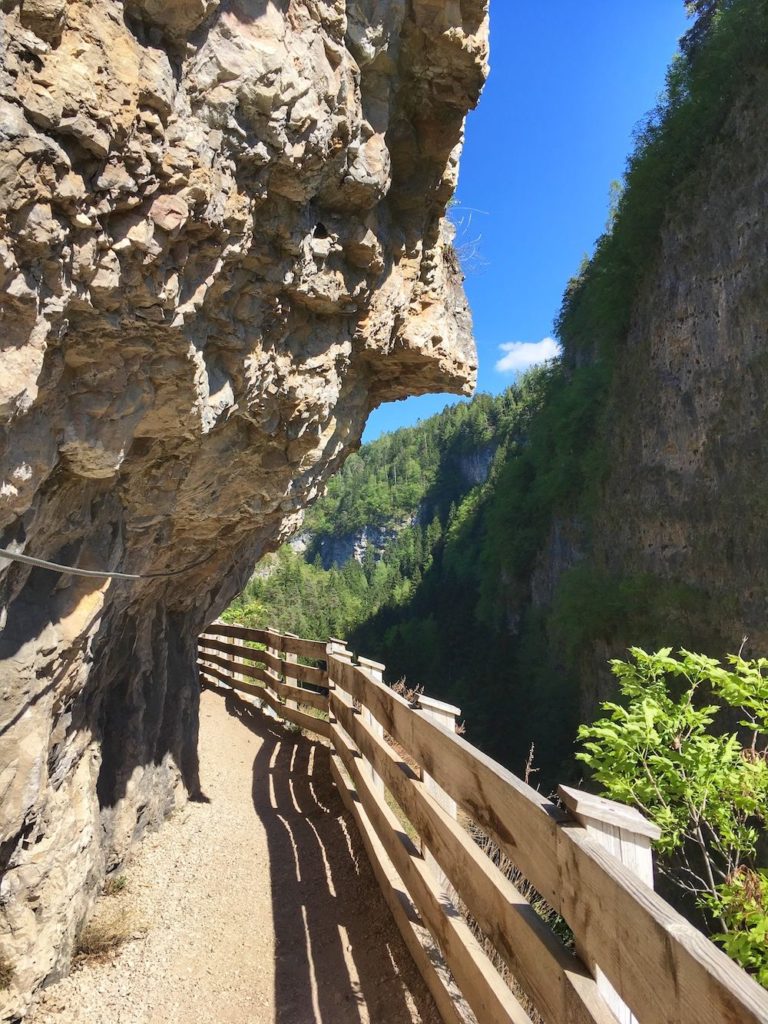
317 725
450 1003
447 715
209 681
252 671
235 684
249 653
284 690
219 676
556 982
521 821
659 964
301 696
217 629
293 670
300 718
481 985
304 673
583 805
632 846
313 649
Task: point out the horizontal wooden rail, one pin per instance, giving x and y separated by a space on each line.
484 990
284 690
222 661
556 982
635 953
299 718
314 649
450 1002
242 668
662 968
304 673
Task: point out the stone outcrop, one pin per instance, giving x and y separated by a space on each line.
222 243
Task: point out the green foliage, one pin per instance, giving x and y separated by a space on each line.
590 604
115 885
300 597
388 481
556 470
706 790
743 904
723 54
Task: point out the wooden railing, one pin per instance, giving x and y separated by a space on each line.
634 958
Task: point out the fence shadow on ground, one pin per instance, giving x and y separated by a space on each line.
338 956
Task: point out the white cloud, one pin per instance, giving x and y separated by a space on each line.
519 355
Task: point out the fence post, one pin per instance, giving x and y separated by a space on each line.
227 657
337 649
627 834
376 671
293 658
274 646
446 715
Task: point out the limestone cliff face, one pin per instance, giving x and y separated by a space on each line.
221 245
684 498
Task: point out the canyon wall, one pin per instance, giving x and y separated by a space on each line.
674 548
685 496
222 243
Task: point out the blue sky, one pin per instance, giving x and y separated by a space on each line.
569 81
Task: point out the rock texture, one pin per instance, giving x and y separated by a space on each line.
222 242
685 497
337 550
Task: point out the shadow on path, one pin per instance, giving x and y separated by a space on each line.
338 956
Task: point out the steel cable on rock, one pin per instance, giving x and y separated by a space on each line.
95 574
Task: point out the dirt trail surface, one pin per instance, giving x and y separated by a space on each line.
254 908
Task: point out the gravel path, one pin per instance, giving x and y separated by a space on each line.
256 908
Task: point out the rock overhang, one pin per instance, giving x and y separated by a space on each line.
222 242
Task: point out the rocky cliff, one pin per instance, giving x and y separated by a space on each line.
685 496
667 544
221 245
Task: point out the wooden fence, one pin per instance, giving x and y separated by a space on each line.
403 771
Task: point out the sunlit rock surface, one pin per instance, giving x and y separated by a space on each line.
221 245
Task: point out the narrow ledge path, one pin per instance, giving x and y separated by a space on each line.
258 907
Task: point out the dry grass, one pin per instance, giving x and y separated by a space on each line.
511 872
100 938
313 712
402 817
111 925
6 974
409 693
524 887
115 886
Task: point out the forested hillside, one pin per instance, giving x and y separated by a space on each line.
624 498
426 603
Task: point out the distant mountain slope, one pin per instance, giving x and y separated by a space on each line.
399 554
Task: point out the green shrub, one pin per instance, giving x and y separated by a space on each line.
743 904
706 789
